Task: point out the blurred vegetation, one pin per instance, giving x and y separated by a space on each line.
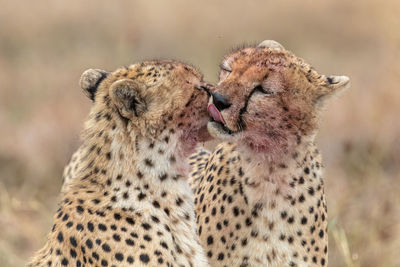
46 45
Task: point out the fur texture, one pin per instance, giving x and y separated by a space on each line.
259 196
126 201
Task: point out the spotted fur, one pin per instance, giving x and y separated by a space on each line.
126 200
259 197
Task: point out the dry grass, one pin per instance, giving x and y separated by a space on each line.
46 45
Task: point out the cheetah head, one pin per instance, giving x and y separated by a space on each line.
150 99
269 99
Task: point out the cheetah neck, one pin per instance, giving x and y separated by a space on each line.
287 201
287 175
130 166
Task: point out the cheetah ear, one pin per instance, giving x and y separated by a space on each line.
332 85
126 95
90 81
271 44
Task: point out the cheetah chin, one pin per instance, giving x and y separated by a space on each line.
217 126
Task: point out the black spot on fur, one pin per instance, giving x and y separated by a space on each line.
144 258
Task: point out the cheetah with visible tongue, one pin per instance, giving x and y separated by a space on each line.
259 196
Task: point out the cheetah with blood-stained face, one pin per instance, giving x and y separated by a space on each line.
260 198
128 202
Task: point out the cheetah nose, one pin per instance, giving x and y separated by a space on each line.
214 112
220 101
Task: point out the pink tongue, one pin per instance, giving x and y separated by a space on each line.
214 112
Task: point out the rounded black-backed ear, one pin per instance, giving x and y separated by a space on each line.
337 82
90 81
331 85
271 44
127 97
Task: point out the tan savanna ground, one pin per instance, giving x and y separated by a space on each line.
46 45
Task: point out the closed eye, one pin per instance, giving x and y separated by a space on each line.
224 73
224 68
265 91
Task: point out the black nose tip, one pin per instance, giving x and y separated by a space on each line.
220 101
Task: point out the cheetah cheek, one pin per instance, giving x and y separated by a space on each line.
203 134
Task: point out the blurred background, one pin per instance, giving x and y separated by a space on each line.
46 45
